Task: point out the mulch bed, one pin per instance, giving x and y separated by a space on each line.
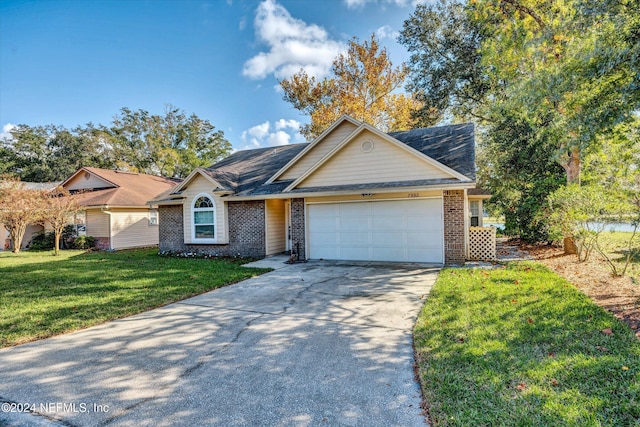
619 295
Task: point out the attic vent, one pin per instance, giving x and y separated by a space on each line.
367 146
87 175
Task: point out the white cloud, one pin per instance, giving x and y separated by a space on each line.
278 138
358 4
283 124
387 32
293 44
282 132
6 131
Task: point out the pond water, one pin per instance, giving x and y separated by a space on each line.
614 226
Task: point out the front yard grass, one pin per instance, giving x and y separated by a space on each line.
42 295
520 346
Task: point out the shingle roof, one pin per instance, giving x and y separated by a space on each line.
451 145
246 172
130 189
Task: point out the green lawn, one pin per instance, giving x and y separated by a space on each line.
42 295
520 346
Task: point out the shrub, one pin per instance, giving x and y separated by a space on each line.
84 242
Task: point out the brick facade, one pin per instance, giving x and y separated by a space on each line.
246 222
102 243
298 238
454 226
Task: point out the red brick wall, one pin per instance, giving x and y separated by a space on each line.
454 226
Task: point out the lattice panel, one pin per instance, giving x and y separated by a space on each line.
482 243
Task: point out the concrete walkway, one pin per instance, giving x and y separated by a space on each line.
308 344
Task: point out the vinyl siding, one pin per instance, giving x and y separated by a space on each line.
197 186
81 183
384 163
97 223
130 228
320 150
275 227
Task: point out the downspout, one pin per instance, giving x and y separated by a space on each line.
103 210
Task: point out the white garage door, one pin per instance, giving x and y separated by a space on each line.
398 230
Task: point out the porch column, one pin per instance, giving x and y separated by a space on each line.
298 238
454 226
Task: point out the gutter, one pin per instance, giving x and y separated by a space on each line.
296 195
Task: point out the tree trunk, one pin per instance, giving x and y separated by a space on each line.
572 167
16 238
56 246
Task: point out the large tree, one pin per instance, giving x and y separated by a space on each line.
364 84
555 75
569 67
172 144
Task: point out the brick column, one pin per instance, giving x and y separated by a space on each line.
171 228
298 227
454 227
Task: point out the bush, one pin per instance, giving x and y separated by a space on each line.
42 241
84 242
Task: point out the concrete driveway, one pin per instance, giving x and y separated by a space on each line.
322 343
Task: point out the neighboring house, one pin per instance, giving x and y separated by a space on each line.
115 206
354 193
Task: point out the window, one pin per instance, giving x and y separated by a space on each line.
474 212
153 217
204 219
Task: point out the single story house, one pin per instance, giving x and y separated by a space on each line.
353 193
116 212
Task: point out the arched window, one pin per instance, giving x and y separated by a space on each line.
204 218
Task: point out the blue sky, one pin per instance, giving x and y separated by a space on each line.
73 62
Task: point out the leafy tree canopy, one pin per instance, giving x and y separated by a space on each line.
364 85
172 145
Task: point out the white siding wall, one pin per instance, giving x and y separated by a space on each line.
130 228
197 186
80 182
97 223
319 151
385 163
275 227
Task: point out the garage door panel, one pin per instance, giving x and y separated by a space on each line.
426 239
399 230
324 239
353 224
396 239
388 209
325 210
325 252
353 209
420 223
388 223
357 239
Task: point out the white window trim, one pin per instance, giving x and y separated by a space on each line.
194 239
153 217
